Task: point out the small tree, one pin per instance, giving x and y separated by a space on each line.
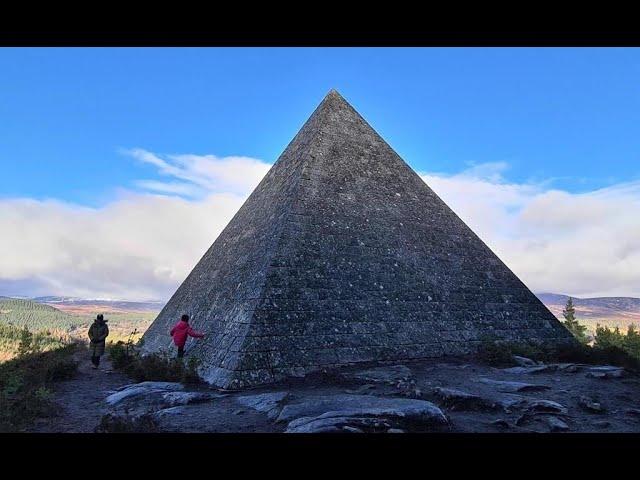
578 331
632 341
26 342
607 338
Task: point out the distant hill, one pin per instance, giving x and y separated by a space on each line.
123 316
89 306
610 311
68 313
36 316
74 315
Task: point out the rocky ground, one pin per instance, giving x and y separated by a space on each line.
428 396
80 400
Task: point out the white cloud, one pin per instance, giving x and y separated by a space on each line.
201 174
142 244
139 246
585 244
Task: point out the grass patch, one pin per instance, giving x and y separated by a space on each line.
160 367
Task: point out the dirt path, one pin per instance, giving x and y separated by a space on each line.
81 399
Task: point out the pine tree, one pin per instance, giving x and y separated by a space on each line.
578 331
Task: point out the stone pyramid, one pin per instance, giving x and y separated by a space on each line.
342 254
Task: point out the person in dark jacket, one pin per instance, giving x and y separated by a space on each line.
181 331
98 333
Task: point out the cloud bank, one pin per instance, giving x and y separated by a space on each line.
585 244
143 244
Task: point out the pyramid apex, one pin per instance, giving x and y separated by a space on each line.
333 93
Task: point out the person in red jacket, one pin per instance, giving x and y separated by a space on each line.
181 331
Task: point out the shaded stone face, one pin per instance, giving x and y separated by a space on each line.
342 254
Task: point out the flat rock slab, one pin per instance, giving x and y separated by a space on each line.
268 403
605 372
184 398
535 405
598 371
141 389
601 424
512 387
524 361
168 386
528 370
169 411
337 422
364 389
387 374
367 413
461 400
331 411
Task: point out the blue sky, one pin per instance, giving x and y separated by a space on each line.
572 115
120 166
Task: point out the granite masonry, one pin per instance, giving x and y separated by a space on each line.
341 255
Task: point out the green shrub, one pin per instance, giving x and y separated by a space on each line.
126 357
500 353
120 359
495 353
25 385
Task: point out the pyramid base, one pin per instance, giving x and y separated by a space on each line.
244 379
